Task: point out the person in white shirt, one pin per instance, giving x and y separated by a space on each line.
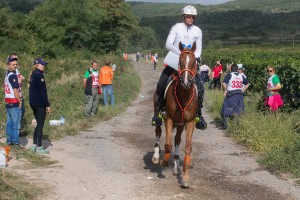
204 73
186 33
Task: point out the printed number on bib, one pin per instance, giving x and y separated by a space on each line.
237 84
7 91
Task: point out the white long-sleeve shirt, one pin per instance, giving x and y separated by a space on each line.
187 36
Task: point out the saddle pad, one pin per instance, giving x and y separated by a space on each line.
172 60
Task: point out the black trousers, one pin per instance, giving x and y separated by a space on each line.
40 116
200 88
163 79
217 82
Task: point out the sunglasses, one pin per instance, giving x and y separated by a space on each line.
189 17
270 71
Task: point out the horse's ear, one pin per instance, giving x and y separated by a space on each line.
194 46
180 46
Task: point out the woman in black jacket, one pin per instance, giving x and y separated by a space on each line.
38 100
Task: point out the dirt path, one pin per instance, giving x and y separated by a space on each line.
113 161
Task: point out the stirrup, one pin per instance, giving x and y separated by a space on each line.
201 124
157 120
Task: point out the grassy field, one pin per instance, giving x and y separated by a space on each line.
273 137
64 79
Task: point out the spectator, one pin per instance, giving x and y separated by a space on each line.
13 102
217 75
105 81
114 67
154 62
91 85
38 100
137 56
234 94
241 70
273 98
204 73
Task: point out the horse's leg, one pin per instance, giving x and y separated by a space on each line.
189 129
176 169
155 157
168 144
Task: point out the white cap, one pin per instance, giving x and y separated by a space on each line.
189 10
240 66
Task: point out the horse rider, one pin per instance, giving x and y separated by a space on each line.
187 34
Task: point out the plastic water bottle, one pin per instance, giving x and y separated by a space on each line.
62 119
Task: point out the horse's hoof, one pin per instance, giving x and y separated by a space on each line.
155 160
176 172
164 163
185 184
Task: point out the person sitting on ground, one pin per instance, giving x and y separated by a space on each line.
234 94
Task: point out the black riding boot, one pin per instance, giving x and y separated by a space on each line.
160 91
200 124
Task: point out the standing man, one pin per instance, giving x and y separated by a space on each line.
38 100
105 81
217 75
91 84
204 73
186 33
21 79
234 94
154 62
137 56
13 102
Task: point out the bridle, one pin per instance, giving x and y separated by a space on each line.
180 72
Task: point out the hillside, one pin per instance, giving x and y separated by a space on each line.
142 9
240 22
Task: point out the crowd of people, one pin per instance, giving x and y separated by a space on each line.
95 82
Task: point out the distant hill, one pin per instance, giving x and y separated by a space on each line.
143 9
249 22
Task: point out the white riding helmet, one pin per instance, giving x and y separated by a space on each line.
189 10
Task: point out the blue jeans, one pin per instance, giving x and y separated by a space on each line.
13 116
108 89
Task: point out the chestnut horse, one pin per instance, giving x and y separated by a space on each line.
181 105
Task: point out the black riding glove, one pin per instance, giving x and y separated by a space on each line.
198 60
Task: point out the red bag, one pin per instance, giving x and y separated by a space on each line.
99 90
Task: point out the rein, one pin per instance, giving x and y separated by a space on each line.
193 73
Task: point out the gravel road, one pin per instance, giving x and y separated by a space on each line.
112 161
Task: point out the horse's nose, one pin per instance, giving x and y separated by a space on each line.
186 84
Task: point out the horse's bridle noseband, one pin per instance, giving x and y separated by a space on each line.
193 72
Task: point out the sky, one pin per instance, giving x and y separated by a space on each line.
203 2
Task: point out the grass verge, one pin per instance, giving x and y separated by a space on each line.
273 137
64 79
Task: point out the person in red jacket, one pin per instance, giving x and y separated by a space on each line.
217 72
